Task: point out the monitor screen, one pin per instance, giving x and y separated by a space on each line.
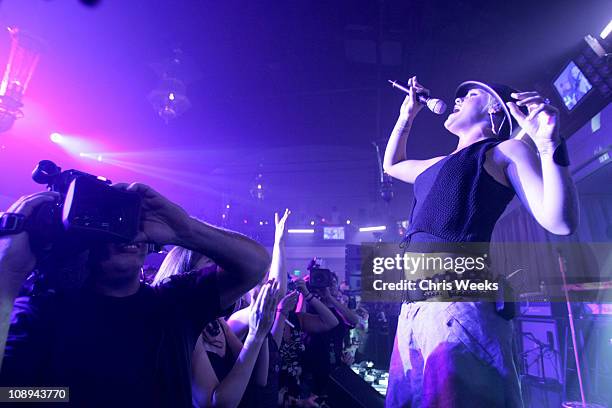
572 85
333 232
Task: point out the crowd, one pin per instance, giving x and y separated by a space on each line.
220 325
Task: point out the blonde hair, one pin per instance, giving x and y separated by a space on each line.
179 260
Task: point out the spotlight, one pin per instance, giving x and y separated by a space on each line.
56 138
372 229
606 30
312 223
348 222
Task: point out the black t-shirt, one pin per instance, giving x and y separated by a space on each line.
130 351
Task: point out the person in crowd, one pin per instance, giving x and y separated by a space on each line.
458 353
329 349
295 325
287 336
116 341
223 366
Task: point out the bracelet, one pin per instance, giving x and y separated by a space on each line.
309 297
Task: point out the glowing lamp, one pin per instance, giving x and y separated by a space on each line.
23 57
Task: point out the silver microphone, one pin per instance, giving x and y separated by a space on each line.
435 105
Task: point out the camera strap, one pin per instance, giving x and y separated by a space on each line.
11 223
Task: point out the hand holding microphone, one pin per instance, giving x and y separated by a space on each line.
417 98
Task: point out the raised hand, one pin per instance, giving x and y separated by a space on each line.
300 286
541 121
263 310
287 304
411 105
281 227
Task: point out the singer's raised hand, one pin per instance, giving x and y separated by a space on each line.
411 105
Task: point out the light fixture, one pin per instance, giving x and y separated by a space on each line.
301 231
606 31
257 188
23 58
373 229
56 138
169 99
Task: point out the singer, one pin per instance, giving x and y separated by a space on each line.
456 352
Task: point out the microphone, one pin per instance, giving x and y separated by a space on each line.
435 105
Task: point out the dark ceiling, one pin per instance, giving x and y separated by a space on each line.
296 88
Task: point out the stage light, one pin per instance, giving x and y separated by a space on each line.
171 96
301 231
56 138
227 206
312 223
23 57
373 229
223 216
260 222
606 30
348 222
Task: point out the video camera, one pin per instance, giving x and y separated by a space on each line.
89 210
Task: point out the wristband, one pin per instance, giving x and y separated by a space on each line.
11 223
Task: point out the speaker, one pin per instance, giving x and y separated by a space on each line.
347 389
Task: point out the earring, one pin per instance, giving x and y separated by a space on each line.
496 132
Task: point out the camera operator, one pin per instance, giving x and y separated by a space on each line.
327 349
117 342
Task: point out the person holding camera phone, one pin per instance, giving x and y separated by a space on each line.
456 350
115 341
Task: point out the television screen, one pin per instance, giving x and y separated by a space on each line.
333 232
572 85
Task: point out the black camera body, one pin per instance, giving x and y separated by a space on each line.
89 209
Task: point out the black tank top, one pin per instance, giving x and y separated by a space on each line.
456 200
